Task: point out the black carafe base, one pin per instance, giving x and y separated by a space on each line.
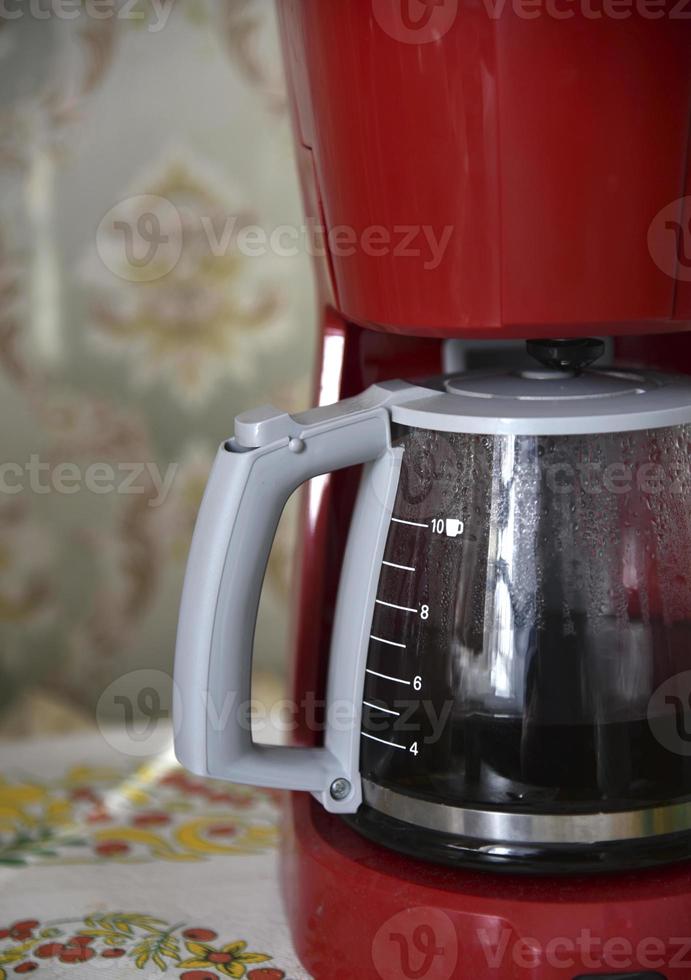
516 858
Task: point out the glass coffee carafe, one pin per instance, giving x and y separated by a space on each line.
551 581
513 620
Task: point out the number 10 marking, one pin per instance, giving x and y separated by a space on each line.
452 527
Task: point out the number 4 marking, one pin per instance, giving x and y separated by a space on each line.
413 748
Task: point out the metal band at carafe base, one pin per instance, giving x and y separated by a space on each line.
496 826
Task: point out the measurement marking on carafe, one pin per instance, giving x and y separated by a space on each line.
399 520
392 605
377 707
383 741
390 643
404 568
387 677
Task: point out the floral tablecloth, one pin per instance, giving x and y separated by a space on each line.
111 866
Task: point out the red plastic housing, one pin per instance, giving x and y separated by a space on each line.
359 912
503 168
556 150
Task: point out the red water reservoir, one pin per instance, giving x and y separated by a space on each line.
498 167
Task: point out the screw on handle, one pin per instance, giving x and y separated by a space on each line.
573 354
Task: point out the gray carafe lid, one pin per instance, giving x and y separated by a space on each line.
561 395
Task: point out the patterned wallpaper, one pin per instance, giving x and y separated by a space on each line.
152 285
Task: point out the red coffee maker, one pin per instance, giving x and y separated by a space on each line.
476 173
479 172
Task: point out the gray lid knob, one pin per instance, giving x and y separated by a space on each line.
573 354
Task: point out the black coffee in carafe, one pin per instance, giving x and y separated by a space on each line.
547 664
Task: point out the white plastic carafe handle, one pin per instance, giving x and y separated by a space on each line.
252 478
